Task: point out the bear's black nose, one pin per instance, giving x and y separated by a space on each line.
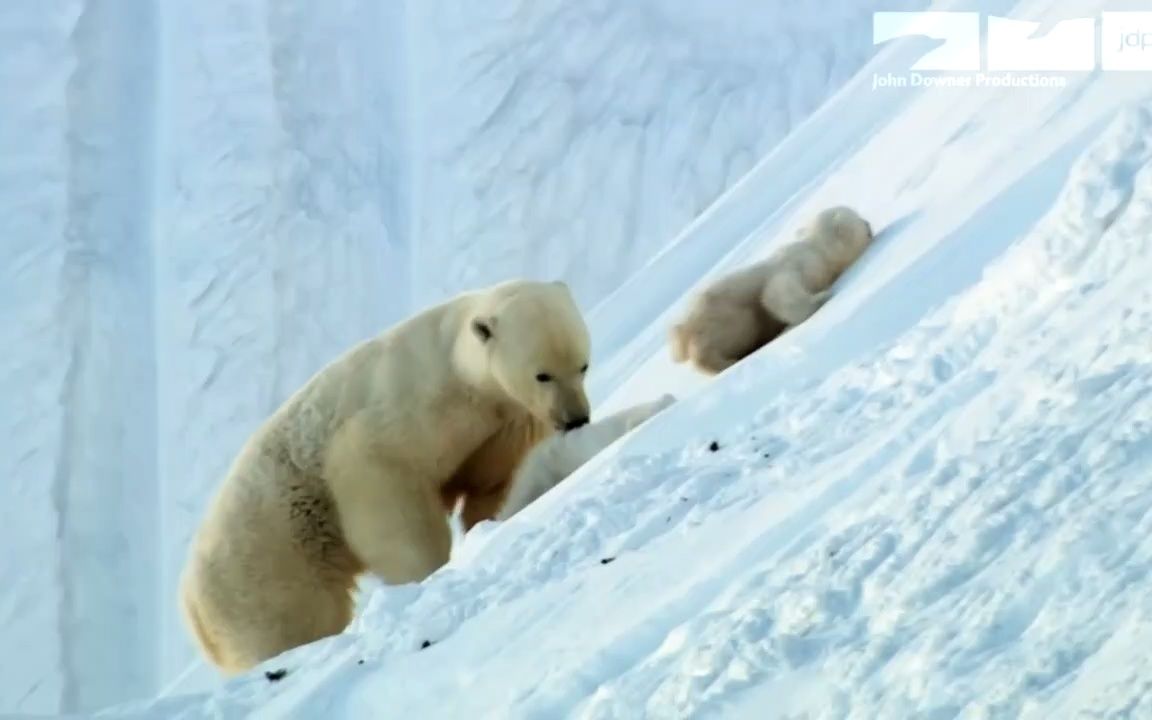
575 423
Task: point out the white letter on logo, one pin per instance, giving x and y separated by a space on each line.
959 31
1069 46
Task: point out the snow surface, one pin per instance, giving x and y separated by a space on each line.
932 500
202 203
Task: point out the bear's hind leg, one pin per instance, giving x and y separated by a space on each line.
237 632
323 612
300 618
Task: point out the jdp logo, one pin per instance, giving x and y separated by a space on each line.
1125 42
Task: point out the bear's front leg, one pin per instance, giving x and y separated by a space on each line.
481 506
392 519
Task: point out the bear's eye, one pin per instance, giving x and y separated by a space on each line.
585 368
543 377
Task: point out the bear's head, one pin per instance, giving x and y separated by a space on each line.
845 232
537 348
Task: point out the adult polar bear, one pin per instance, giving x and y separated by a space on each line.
744 310
358 470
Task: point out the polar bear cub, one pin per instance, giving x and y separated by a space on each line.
744 310
554 459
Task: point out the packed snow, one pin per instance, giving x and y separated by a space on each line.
930 500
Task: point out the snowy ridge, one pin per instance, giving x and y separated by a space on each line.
956 523
926 167
928 501
915 597
731 231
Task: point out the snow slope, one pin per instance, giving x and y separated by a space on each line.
932 500
202 203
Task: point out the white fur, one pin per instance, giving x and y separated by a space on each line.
554 459
744 310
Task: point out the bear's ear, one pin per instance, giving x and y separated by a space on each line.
482 328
